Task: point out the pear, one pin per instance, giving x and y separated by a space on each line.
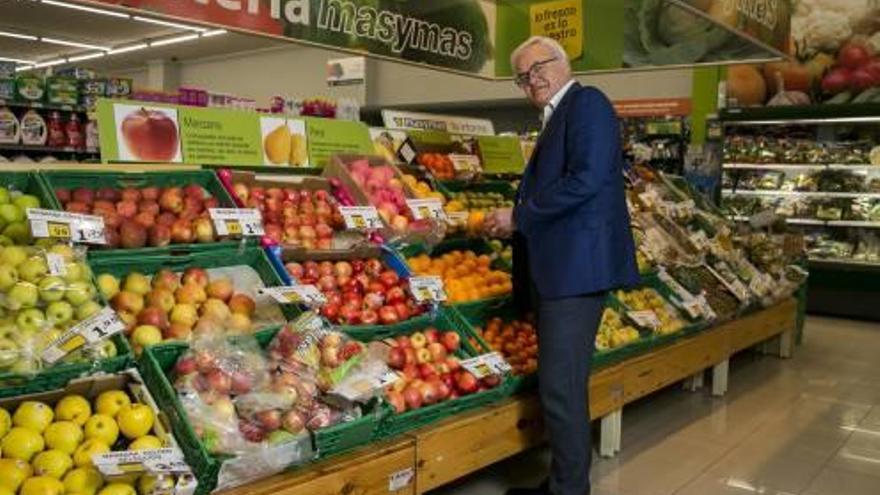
277 145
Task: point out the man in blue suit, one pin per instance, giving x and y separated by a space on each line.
572 244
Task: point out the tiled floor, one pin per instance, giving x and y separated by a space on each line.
809 425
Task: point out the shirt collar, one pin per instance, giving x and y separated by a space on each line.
554 101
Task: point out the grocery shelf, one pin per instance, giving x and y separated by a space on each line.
853 223
798 166
844 261
817 221
805 194
868 113
42 106
792 221
46 149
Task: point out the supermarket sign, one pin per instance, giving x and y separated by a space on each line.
142 132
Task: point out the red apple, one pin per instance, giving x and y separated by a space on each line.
403 341
369 317
428 393
451 341
171 200
373 267
396 358
185 366
397 401
465 382
132 235
131 194
154 316
395 295
413 397
426 371
441 388
219 381
195 275
241 382
181 231
150 135
150 193
402 310
83 195
388 315
438 351
431 335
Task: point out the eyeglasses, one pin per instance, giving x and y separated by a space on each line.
522 79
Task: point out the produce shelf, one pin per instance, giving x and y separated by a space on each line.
42 106
47 149
816 221
805 194
799 166
801 114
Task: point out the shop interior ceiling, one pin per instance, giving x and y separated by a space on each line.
89 33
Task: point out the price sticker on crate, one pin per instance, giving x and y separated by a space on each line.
66 226
428 208
361 217
485 365
100 326
644 318
427 289
399 480
465 163
237 222
296 294
158 461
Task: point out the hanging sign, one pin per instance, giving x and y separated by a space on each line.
395 119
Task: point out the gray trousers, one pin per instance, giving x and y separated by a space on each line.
566 338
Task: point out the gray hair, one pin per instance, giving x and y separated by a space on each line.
539 40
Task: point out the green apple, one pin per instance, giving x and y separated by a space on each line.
11 213
26 201
75 271
33 269
64 250
9 353
79 292
26 365
8 277
108 285
19 232
87 309
146 335
13 256
31 320
107 349
4 196
52 289
22 295
5 241
59 312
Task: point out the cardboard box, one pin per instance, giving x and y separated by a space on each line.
62 90
91 387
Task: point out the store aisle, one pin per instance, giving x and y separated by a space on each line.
809 425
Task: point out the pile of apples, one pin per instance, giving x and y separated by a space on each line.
48 451
430 372
36 307
359 291
13 216
294 217
171 306
516 340
385 191
147 216
856 69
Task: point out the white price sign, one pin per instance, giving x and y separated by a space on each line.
294 294
486 365
401 479
237 222
361 217
62 225
158 461
430 209
465 163
98 327
644 318
425 289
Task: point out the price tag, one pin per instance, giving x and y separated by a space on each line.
407 152
295 294
427 289
485 365
457 217
465 163
98 327
361 217
430 209
57 266
644 318
237 222
401 479
66 226
157 461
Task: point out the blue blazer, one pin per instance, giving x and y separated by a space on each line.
571 215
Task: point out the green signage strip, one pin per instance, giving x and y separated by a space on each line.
327 137
215 136
501 154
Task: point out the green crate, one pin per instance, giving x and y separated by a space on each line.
120 266
98 179
341 438
395 424
30 183
484 186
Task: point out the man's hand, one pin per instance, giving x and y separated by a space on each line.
499 223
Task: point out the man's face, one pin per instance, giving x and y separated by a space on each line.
542 73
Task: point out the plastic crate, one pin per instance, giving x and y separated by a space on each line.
484 186
341 438
30 183
120 266
95 180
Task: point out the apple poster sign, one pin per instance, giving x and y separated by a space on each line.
147 134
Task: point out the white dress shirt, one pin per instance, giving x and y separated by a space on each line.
554 102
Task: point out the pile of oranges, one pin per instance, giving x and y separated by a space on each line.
466 275
438 164
516 340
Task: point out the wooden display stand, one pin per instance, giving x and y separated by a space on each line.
433 456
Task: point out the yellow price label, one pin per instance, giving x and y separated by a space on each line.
58 230
131 467
73 343
233 227
425 293
484 369
293 297
359 221
425 212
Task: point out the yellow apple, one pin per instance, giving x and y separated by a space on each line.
42 485
146 442
13 472
64 436
83 455
116 488
34 415
22 443
73 408
151 483
110 402
135 420
52 463
102 427
83 481
5 422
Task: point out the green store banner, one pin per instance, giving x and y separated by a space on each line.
477 37
327 137
501 154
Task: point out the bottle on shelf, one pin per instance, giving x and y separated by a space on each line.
92 140
74 130
33 129
55 128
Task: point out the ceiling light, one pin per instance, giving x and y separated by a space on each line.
24 68
126 49
86 9
17 60
168 23
18 36
215 32
50 63
171 41
73 43
85 57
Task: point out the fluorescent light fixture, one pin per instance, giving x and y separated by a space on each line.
24 68
126 49
76 44
50 63
86 57
17 60
168 23
171 41
86 9
215 32
18 36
